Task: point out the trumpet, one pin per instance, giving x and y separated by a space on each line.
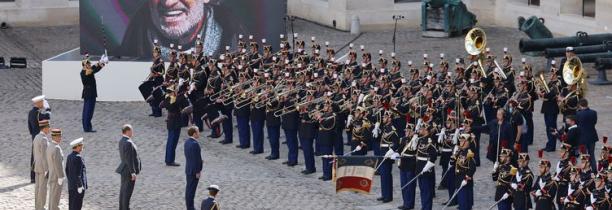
225 90
541 83
248 100
475 44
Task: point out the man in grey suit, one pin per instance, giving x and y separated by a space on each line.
55 161
40 165
128 168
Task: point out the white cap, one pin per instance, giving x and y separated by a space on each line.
263 41
382 70
522 74
380 52
286 61
569 49
213 187
282 36
250 37
326 43
361 47
266 74
353 83
76 142
222 57
180 47
553 62
487 49
475 63
392 54
450 73
316 74
375 89
457 60
240 36
403 80
472 80
227 47
273 58
155 41
299 65
171 45
329 93
505 49
409 63
441 55
199 36
38 98
255 70
431 65
428 77
313 38
425 55
317 51
351 45
239 66
282 45
335 75
210 54
308 84
243 50
286 74
523 60
347 62
295 35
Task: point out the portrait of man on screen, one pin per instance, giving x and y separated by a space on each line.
180 22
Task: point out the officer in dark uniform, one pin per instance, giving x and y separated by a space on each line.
210 203
290 124
242 113
521 185
407 166
326 137
550 109
258 118
90 92
503 173
36 114
307 133
226 109
273 124
562 175
76 175
577 195
389 142
464 169
545 188
360 131
172 103
426 156
156 75
599 198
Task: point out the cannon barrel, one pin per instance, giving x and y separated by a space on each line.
605 63
560 52
581 39
534 28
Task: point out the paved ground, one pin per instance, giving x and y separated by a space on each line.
247 181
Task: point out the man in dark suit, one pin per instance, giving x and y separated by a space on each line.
586 119
193 167
36 114
210 203
77 177
570 134
90 92
128 168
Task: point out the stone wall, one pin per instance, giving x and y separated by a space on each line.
40 12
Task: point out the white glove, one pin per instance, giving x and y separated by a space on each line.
514 186
357 148
538 193
556 178
463 183
593 198
360 99
192 87
455 149
541 184
589 208
456 136
376 130
180 83
441 135
395 156
413 142
349 120
570 190
428 166
505 196
389 153
558 169
518 177
104 59
566 200
80 190
495 166
46 104
60 181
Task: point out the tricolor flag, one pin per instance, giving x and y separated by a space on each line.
354 173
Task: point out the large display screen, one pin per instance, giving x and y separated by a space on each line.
129 27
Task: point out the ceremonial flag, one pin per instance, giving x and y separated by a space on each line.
354 173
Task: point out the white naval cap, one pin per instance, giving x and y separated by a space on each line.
76 142
213 187
38 98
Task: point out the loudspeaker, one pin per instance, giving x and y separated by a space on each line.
18 62
2 64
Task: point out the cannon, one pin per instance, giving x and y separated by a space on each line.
560 52
581 39
534 27
445 18
602 64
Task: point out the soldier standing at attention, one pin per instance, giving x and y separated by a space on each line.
55 159
36 114
40 165
76 175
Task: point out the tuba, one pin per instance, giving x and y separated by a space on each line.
475 44
573 73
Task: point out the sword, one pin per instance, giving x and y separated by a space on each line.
412 180
495 204
445 173
451 198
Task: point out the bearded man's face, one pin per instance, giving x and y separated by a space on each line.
174 18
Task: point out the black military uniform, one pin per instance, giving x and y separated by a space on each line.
521 185
77 180
545 189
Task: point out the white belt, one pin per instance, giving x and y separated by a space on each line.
385 145
446 150
407 155
422 158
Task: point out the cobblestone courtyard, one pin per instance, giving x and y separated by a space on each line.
246 181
